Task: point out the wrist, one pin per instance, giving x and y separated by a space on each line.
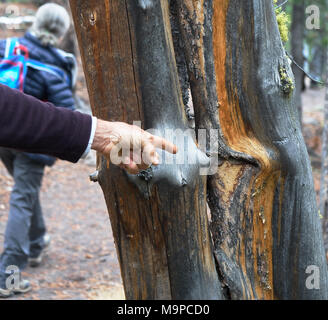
100 138
92 135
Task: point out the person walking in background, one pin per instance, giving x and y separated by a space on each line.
50 76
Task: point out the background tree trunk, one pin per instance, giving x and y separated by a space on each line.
265 225
297 40
324 170
317 66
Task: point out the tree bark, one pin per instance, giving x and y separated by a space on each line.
265 225
270 222
161 231
262 199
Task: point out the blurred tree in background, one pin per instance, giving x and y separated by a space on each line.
307 46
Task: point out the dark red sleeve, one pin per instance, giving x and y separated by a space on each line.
30 125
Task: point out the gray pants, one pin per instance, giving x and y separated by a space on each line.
25 228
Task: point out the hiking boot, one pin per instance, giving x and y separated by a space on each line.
5 293
35 262
24 286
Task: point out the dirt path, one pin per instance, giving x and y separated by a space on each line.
313 117
81 262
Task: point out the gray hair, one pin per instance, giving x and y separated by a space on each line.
52 21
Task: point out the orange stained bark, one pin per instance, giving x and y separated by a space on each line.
238 138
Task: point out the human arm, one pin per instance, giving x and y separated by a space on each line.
29 124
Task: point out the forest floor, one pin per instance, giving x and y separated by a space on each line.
81 262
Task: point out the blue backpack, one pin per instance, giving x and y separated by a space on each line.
13 70
14 66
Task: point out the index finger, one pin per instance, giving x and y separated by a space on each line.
161 143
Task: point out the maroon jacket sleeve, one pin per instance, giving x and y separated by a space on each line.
30 125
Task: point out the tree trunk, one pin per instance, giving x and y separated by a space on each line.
318 62
324 170
265 225
266 229
297 39
161 231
